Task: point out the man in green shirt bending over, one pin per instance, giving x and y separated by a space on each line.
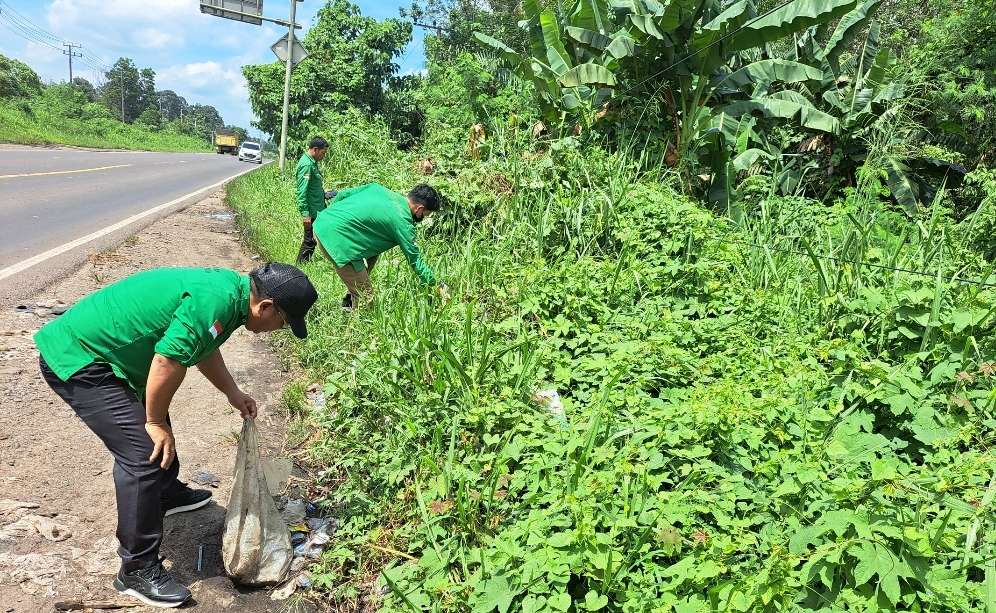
310 193
117 358
365 221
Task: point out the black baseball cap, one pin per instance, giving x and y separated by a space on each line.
290 289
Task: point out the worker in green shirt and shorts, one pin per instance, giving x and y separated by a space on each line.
363 222
117 358
311 194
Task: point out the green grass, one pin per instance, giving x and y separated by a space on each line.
48 124
744 429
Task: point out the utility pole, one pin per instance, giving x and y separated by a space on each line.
121 87
251 11
287 78
71 55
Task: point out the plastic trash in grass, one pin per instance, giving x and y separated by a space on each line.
550 400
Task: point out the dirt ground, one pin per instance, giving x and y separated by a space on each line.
52 467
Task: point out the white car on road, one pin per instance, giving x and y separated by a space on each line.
250 152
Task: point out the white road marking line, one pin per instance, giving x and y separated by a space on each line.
41 257
63 172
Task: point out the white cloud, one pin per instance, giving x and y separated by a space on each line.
218 84
202 75
154 38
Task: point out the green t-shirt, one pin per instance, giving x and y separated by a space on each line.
366 221
310 192
180 313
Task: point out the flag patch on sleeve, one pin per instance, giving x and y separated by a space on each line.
215 329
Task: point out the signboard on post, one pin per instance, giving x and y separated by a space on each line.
279 49
246 11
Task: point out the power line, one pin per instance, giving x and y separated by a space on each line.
26 29
22 32
27 24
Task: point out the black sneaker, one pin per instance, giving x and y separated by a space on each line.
184 499
347 302
153 585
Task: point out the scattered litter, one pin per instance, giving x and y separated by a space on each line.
49 308
276 471
204 477
256 547
80 605
550 400
294 512
316 395
222 216
32 571
285 591
299 563
312 548
35 523
200 557
317 524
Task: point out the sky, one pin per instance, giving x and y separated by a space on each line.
198 56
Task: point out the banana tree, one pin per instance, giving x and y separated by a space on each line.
838 108
713 52
721 72
858 95
566 74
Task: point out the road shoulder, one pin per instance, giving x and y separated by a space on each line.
50 459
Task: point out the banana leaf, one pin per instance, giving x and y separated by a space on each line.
556 53
587 74
770 71
786 105
848 27
750 157
591 15
902 185
789 19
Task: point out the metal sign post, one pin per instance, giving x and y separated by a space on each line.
248 11
251 11
287 75
279 49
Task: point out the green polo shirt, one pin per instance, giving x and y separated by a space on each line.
366 221
180 313
310 192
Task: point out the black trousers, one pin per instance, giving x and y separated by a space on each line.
114 412
307 246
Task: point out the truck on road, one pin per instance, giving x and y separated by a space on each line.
226 141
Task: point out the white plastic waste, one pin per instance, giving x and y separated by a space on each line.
256 547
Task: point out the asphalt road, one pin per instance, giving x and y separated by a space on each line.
50 198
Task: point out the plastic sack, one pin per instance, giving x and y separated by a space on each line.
255 546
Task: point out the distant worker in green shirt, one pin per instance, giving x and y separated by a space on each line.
311 194
363 222
117 358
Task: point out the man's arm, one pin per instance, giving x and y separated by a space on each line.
214 370
406 240
165 377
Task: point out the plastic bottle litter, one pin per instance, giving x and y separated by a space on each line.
550 400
